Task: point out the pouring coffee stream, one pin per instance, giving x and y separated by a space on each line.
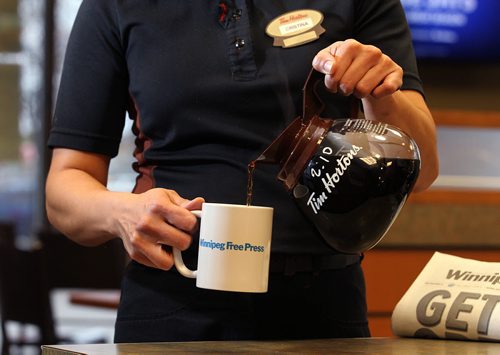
277 152
350 177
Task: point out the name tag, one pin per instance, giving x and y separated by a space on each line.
295 28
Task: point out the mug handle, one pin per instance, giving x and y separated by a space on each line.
179 263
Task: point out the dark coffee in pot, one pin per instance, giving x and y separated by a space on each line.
350 177
357 203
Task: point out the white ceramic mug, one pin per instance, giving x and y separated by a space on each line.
234 248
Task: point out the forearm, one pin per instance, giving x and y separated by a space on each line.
400 109
81 207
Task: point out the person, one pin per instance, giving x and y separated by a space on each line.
208 90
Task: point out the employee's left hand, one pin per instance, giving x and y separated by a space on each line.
353 68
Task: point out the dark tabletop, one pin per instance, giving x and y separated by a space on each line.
394 346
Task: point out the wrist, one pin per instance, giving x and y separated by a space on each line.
116 213
383 108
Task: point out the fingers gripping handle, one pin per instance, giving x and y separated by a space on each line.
179 263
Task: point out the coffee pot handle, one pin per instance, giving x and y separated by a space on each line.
312 105
179 262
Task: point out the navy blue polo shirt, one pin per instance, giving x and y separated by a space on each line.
208 91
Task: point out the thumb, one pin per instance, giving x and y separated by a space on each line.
194 204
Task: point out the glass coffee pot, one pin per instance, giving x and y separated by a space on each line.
350 177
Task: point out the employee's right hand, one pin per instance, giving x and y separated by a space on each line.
155 219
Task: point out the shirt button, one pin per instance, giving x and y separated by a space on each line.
239 43
237 14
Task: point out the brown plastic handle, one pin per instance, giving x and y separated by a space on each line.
312 105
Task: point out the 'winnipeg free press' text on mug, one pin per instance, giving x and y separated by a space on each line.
234 248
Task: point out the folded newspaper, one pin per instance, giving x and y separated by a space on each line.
452 298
